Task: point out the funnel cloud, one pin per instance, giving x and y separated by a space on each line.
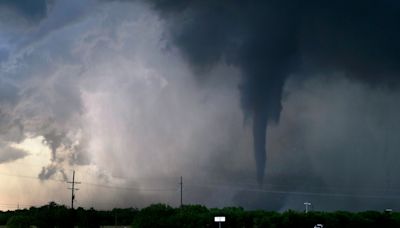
272 40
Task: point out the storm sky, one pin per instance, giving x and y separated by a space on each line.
259 104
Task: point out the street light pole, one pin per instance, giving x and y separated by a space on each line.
307 204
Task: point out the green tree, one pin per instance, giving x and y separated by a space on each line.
156 215
19 221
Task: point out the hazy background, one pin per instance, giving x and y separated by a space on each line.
106 88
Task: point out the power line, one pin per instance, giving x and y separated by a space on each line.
239 187
131 188
15 205
249 184
18 206
303 193
253 185
30 177
95 184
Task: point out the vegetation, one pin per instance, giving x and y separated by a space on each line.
161 215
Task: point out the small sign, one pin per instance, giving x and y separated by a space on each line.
219 219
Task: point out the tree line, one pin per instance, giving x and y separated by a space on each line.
161 215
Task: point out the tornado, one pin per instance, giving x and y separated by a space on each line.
270 41
259 143
261 94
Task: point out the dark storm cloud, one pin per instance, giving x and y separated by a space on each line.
27 8
358 37
9 154
92 80
49 172
3 54
8 92
271 40
54 140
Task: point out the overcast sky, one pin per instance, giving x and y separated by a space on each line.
134 94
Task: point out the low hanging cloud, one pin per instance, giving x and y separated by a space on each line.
10 154
49 171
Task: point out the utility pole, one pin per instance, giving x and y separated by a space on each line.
181 183
73 189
